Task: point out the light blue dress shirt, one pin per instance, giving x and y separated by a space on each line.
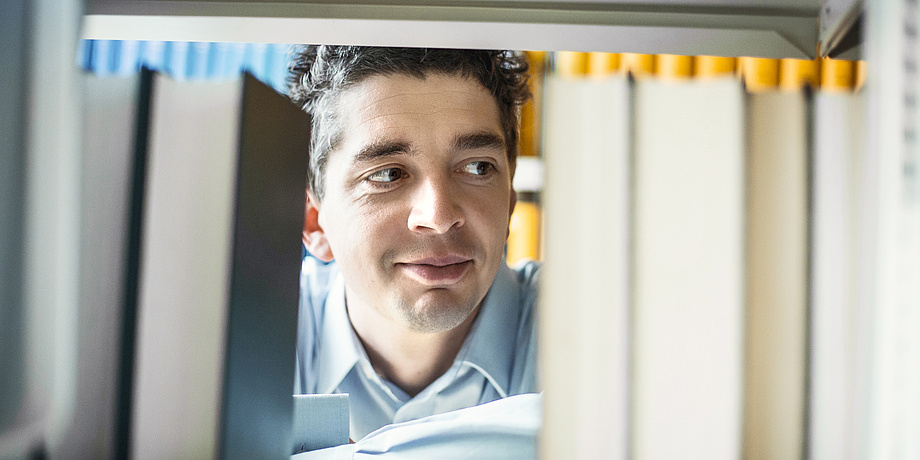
496 362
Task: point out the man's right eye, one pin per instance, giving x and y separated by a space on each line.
387 175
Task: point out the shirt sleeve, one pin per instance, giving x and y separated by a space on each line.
506 429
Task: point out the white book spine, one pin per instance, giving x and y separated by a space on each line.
182 305
584 288
889 362
110 106
688 271
838 165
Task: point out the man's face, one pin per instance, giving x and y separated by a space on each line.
418 198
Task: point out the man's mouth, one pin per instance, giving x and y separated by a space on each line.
437 270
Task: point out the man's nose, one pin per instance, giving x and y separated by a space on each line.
435 207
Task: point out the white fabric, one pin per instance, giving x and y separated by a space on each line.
505 429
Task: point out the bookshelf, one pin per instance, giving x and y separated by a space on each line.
766 28
840 29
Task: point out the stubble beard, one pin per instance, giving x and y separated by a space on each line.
428 316
438 309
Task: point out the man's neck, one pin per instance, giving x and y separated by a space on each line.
410 360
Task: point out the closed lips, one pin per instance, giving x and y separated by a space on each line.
438 270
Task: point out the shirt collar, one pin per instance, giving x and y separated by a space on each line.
490 345
339 347
489 348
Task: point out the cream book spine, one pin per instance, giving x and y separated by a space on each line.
584 315
688 270
777 263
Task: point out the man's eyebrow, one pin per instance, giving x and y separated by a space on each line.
479 141
376 150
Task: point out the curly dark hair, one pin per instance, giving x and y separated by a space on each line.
318 74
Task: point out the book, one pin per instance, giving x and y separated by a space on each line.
219 268
320 421
777 278
688 270
673 66
584 293
524 229
39 236
888 346
837 212
109 116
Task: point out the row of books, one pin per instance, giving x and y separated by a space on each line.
758 73
212 61
706 255
192 209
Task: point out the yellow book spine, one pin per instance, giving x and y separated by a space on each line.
602 64
524 232
529 143
640 65
759 74
860 79
837 74
714 66
674 67
796 73
572 64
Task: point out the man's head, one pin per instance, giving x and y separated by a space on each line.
319 74
411 177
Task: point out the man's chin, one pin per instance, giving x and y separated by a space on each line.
437 312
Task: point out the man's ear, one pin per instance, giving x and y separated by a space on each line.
314 238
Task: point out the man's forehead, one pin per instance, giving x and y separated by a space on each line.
429 89
392 102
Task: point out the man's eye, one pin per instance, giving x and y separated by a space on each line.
386 175
479 168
